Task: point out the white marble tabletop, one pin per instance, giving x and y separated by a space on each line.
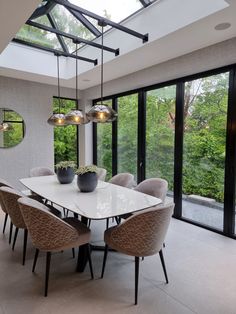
107 200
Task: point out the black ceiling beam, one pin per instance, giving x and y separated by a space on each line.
55 51
145 3
60 39
85 22
122 28
72 37
43 10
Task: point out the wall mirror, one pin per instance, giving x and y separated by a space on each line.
12 128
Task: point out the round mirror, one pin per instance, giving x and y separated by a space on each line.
12 128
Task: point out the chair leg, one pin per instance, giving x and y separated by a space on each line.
35 259
15 237
163 265
136 279
5 223
48 260
104 260
25 245
90 261
10 234
73 252
107 224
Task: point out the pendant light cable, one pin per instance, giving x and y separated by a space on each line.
102 66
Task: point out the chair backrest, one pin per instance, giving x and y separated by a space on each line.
3 183
40 171
48 232
155 187
101 173
123 179
143 234
9 197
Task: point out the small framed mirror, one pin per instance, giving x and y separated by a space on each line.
12 128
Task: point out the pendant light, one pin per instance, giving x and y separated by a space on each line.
58 119
76 116
102 113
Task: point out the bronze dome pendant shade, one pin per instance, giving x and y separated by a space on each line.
102 113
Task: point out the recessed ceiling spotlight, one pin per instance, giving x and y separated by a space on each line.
222 26
86 80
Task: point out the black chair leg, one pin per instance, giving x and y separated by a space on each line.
5 223
90 261
136 279
15 237
25 245
163 265
104 260
10 234
48 261
73 252
35 259
107 224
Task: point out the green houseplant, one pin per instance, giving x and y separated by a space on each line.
87 178
65 171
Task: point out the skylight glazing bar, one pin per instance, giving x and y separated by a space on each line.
72 37
55 51
145 3
60 39
43 10
68 5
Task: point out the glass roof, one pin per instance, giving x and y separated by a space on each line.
54 17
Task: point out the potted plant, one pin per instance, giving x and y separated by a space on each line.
87 178
65 171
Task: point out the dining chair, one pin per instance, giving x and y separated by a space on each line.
52 234
5 183
41 171
101 174
123 179
140 235
156 187
10 197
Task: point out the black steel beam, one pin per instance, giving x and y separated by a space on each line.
72 37
122 28
60 38
55 51
43 10
85 22
145 3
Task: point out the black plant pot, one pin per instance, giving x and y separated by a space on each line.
87 182
65 175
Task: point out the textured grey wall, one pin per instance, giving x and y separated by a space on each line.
33 102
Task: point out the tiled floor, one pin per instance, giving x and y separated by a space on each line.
201 267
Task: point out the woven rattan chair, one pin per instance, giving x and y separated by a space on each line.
10 197
141 235
101 173
5 183
52 234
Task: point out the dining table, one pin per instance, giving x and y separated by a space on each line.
106 201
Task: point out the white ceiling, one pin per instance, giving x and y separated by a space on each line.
175 28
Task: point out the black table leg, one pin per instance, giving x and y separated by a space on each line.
83 252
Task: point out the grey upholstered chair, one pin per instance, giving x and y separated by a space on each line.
123 179
52 234
140 235
5 183
10 197
155 187
101 173
41 171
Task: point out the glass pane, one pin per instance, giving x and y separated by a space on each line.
66 22
104 145
205 114
65 138
127 134
160 131
113 10
38 36
43 20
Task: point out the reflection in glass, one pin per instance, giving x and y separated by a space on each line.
205 116
12 128
160 131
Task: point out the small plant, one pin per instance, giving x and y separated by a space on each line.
65 165
85 169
